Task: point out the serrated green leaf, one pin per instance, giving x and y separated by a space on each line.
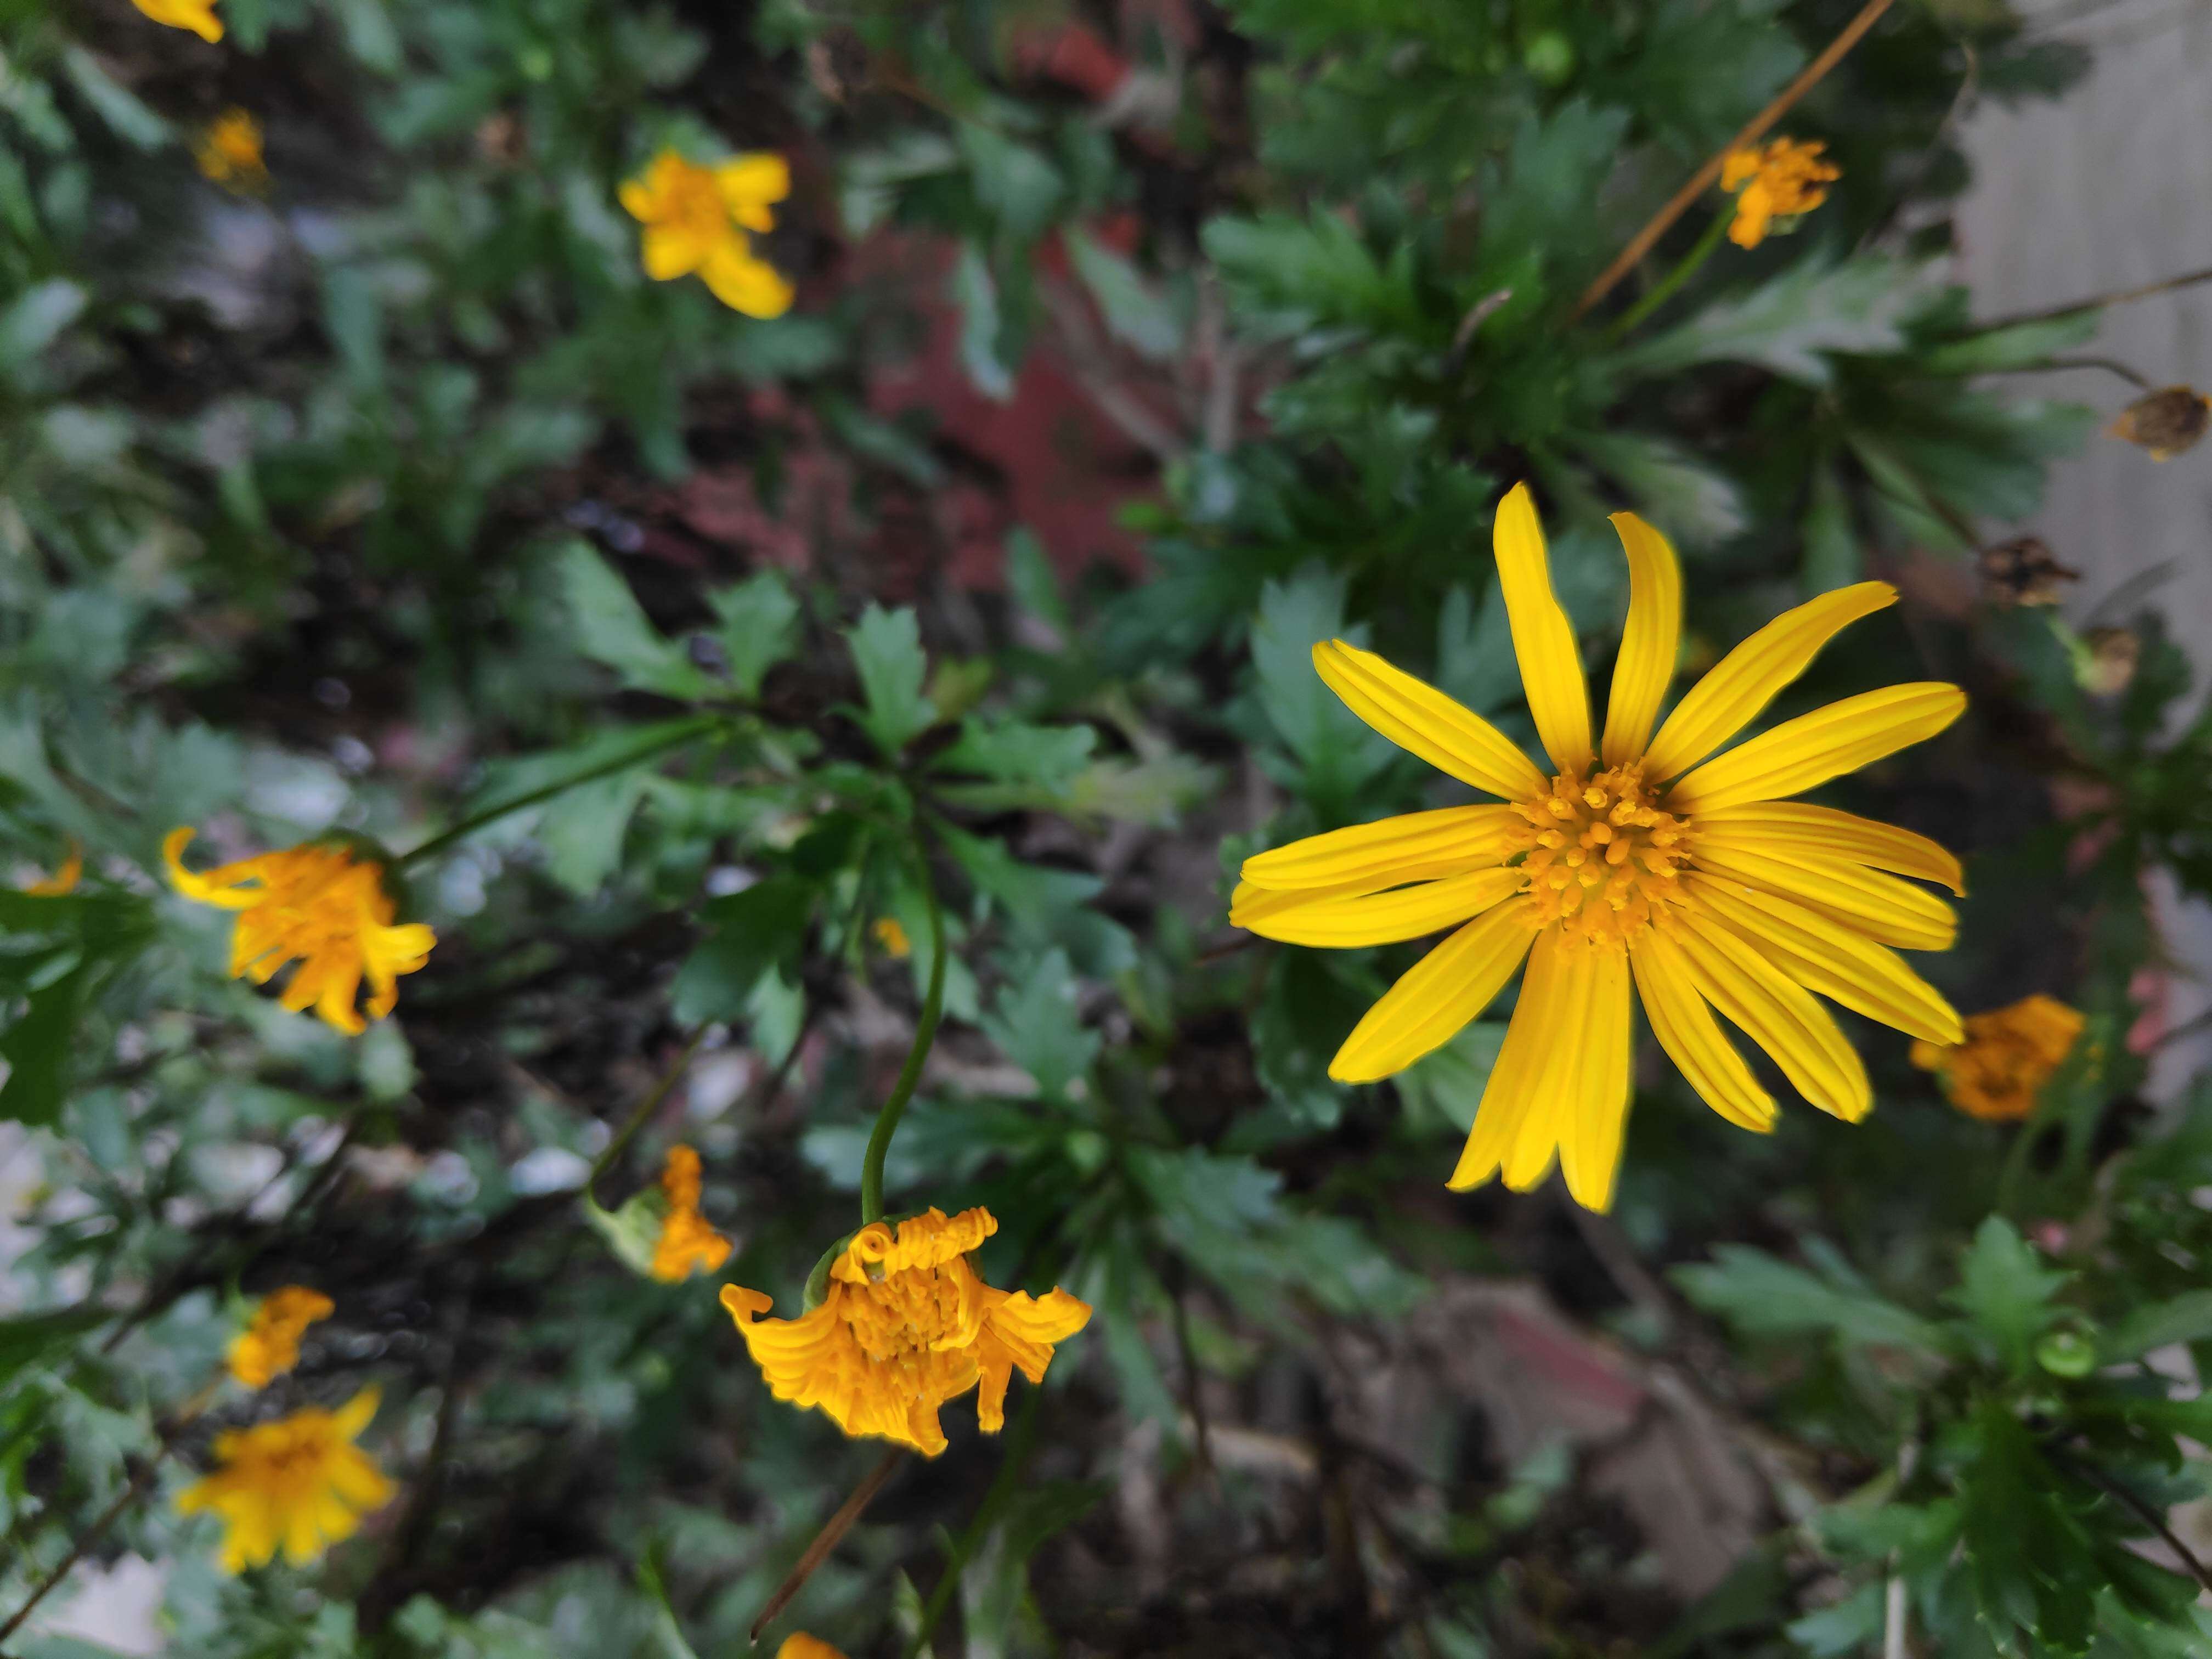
1017 752
754 627
2016 345
1764 1297
611 628
2006 1291
1141 315
1037 1024
753 932
2184 1318
886 646
1792 323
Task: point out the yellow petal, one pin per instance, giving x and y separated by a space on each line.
1510 1096
1749 677
750 184
1408 847
357 1413
1422 721
636 199
1591 1126
1684 1024
1834 960
1435 997
1556 1083
1404 913
668 253
1800 754
1840 835
1881 907
1543 638
1780 1016
746 284
1648 644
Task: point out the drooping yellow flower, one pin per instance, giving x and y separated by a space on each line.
1778 179
799 1645
687 1244
696 218
299 1484
892 937
198 16
229 152
1630 863
64 881
318 907
2008 1055
269 1346
906 1326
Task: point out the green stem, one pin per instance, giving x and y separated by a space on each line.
986 1517
666 740
646 1109
1671 283
925 1034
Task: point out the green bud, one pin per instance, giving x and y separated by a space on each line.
2067 1352
1550 57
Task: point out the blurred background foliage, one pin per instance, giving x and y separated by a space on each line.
1137 346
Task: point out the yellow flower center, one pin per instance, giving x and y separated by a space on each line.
1600 857
903 1316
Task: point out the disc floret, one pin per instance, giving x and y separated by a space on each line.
1601 857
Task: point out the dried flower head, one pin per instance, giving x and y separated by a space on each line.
696 218
299 1484
2108 660
2007 1056
907 1325
1775 181
1663 864
2023 571
2167 422
269 1346
319 907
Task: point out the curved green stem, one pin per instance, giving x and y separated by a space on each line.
646 1109
1671 283
925 1034
673 738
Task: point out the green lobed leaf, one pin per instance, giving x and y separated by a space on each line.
611 628
886 646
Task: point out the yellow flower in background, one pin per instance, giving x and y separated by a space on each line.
687 1244
64 881
892 937
316 906
906 1326
696 218
269 1346
198 16
299 1484
2008 1054
1630 863
799 1645
229 152
1778 179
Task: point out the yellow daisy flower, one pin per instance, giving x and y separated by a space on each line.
687 1244
696 218
298 1483
2008 1054
799 1645
198 16
906 1326
269 1346
1778 179
1630 863
229 152
64 881
315 905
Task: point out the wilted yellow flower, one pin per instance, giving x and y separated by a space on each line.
2008 1054
229 151
2167 422
299 1484
799 1645
198 16
269 1346
892 937
1702 887
906 1326
1778 179
64 881
315 905
687 1244
696 218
